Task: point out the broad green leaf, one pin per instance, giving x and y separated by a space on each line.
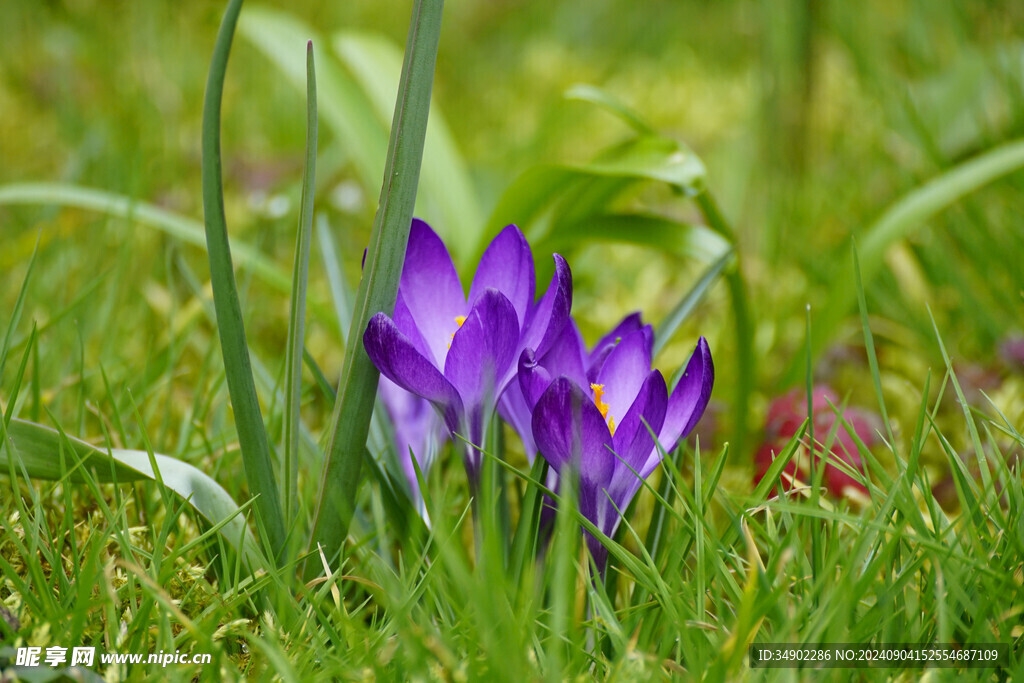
665 234
357 85
252 435
38 449
556 188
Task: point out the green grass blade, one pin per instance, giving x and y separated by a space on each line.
19 306
297 320
38 450
335 276
602 98
689 302
869 344
379 286
175 225
252 435
743 327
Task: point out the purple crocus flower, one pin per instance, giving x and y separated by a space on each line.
566 356
459 354
605 432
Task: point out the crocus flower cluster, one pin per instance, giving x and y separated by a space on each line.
785 416
602 414
459 354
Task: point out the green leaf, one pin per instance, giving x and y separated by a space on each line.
379 285
689 302
664 234
38 449
252 435
552 188
297 315
602 98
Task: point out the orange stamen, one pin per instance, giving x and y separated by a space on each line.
599 392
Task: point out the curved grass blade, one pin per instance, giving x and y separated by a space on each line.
180 227
602 98
19 305
899 221
38 449
689 302
252 434
744 333
379 286
297 319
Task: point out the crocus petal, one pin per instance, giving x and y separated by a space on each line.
534 379
634 438
690 397
483 349
398 360
406 324
507 266
567 355
631 323
624 372
551 313
431 289
570 432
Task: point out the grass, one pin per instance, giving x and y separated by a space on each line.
120 569
111 334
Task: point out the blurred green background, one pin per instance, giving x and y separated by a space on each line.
811 118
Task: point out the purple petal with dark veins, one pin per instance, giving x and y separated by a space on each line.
634 438
534 378
624 372
405 323
397 359
483 349
570 432
690 397
507 266
431 289
604 346
551 313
